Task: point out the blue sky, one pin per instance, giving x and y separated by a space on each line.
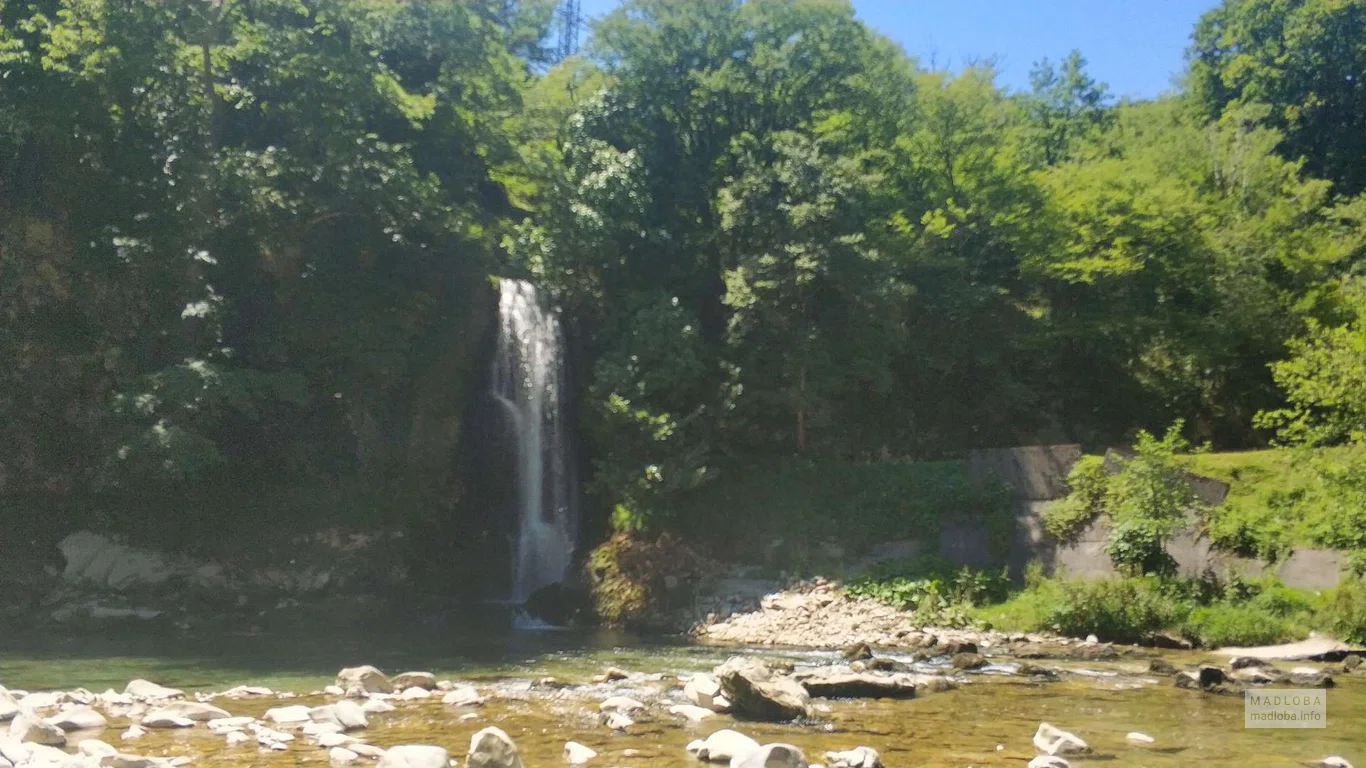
1134 45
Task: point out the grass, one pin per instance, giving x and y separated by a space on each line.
1276 500
1208 613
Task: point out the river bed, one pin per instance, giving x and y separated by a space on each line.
988 721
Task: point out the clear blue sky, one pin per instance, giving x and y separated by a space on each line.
1134 45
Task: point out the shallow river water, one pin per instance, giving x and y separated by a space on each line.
988 721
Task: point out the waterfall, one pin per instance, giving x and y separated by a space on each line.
528 383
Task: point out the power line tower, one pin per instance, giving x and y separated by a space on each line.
570 21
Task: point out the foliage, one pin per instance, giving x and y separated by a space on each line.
935 592
1087 486
1236 625
811 503
1342 611
630 577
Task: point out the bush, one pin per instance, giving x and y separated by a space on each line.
630 577
932 590
1122 610
1342 611
1067 517
1226 624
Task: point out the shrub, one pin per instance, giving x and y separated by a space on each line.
1342 611
630 577
1121 610
1227 624
935 592
1067 517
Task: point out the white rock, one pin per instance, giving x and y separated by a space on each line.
492 748
462 696
78 718
1092 640
296 713
341 756
359 681
858 757
623 704
237 737
412 694
407 680
190 710
1139 739
144 690
697 748
410 756
577 754
444 685
43 754
691 713
334 690
702 690
770 756
166 721
42 700
1055 741
1048 761
243 691
133 732
27 728
1335 762
14 751
346 714
112 698
95 748
725 744
329 740
320 729
374 706
617 721
223 725
366 750
468 716
9 706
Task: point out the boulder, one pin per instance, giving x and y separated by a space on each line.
166 721
14 751
1243 662
374 706
462 696
191 710
968 661
95 748
133 732
609 675
1055 741
1048 761
1349 664
691 713
617 721
414 694
856 652
296 713
858 757
412 756
366 750
9 707
145 690
244 691
236 738
1311 678
315 729
492 748
28 728
78 718
341 756
329 740
122 760
880 664
358 682
346 715
830 683
577 754
1334 762
702 690
414 680
722 746
1255 675
41 700
228 724
754 691
770 756
623 704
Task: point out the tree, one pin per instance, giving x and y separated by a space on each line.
1065 106
1304 60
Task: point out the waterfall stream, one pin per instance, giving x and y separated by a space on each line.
528 383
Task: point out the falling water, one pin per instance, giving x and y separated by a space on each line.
528 381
